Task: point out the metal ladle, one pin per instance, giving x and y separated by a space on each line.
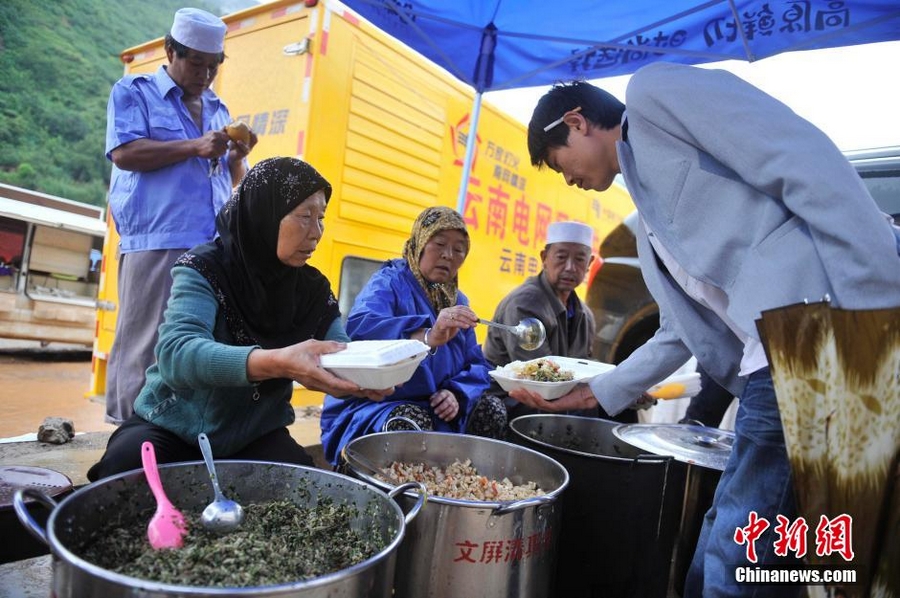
530 332
221 515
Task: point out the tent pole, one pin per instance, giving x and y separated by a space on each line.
470 154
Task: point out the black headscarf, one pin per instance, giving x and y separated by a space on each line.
265 301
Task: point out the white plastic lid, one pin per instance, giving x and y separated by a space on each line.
373 353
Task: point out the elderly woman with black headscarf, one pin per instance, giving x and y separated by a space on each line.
247 316
417 297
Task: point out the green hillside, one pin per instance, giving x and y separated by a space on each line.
58 61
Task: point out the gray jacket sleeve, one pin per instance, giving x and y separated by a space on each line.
653 361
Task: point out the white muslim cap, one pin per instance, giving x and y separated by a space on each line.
199 30
570 232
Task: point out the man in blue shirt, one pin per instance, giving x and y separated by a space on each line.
173 168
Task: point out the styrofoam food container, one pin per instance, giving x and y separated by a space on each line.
582 370
376 364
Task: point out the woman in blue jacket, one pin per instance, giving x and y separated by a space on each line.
417 297
247 316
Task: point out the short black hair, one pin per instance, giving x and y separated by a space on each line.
182 51
599 107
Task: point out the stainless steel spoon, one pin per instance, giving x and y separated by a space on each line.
530 332
221 515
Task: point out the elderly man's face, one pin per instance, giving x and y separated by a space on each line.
565 265
195 72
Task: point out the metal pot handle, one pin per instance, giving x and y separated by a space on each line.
420 502
25 517
653 458
525 503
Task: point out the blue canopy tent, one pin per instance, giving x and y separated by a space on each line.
505 44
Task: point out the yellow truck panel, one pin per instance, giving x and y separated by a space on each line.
388 129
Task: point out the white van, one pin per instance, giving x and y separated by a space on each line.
50 261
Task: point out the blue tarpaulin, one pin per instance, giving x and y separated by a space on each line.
505 44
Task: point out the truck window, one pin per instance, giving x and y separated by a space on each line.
355 273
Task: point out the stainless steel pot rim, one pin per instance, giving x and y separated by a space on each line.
470 504
59 550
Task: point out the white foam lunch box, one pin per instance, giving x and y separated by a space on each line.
376 364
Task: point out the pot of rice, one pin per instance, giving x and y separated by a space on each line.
306 533
491 521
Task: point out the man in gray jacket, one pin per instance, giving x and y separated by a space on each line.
745 207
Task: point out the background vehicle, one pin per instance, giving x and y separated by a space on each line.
880 171
388 129
626 314
49 266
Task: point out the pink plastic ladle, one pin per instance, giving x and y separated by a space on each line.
167 528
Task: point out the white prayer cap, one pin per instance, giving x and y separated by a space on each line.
199 30
570 232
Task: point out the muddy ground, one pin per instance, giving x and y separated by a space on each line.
38 382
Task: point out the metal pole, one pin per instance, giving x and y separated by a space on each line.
470 154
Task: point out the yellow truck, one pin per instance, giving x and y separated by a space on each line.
388 129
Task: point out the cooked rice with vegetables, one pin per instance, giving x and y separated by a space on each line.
542 370
458 480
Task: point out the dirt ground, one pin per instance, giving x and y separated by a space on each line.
38 382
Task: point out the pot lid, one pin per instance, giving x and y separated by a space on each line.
697 445
15 477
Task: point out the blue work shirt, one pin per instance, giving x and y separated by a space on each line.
175 206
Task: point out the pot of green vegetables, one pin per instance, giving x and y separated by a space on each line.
306 533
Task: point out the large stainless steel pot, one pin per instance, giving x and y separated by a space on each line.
706 451
620 514
459 548
187 485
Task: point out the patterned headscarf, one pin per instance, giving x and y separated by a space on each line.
265 301
430 222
